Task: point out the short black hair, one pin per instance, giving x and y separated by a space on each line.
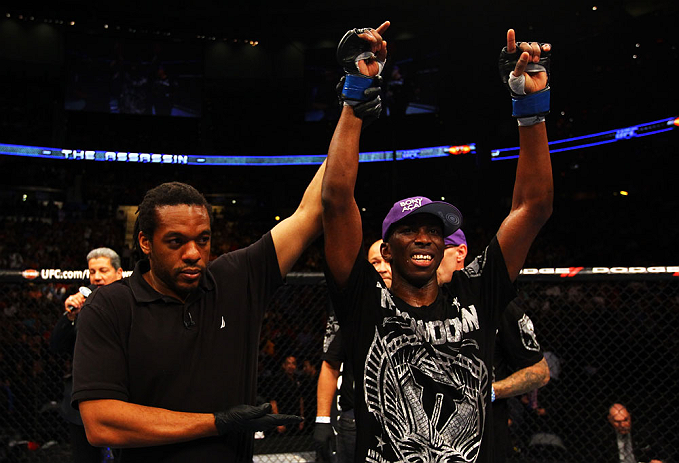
166 194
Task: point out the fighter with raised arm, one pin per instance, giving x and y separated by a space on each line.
422 355
362 54
333 365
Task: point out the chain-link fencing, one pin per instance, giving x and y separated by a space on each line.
609 336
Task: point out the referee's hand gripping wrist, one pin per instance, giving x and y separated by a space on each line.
251 418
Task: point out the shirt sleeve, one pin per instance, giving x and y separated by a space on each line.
347 301
264 271
488 273
517 339
260 262
332 340
99 360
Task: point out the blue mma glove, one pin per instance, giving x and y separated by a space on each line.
370 108
530 108
350 51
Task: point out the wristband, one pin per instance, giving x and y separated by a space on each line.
355 85
492 394
323 419
531 105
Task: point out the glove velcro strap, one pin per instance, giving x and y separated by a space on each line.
531 105
355 86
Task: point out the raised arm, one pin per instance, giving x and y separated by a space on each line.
294 234
533 188
341 218
361 51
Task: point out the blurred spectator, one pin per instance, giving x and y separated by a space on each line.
285 394
628 447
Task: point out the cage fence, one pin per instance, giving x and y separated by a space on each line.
608 338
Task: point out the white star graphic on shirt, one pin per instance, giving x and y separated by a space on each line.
380 442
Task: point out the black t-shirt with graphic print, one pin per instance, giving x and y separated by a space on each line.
516 347
423 391
333 352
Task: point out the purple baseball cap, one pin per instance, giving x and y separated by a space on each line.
449 215
455 239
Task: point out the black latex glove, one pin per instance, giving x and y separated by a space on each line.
250 418
324 440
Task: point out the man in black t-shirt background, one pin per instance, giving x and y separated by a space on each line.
333 367
518 364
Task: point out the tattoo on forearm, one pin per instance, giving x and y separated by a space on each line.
522 381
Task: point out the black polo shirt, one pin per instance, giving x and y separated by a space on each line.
139 346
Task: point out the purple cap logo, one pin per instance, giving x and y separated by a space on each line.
411 204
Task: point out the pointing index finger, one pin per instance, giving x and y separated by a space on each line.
511 41
383 27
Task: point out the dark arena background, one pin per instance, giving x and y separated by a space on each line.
100 102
